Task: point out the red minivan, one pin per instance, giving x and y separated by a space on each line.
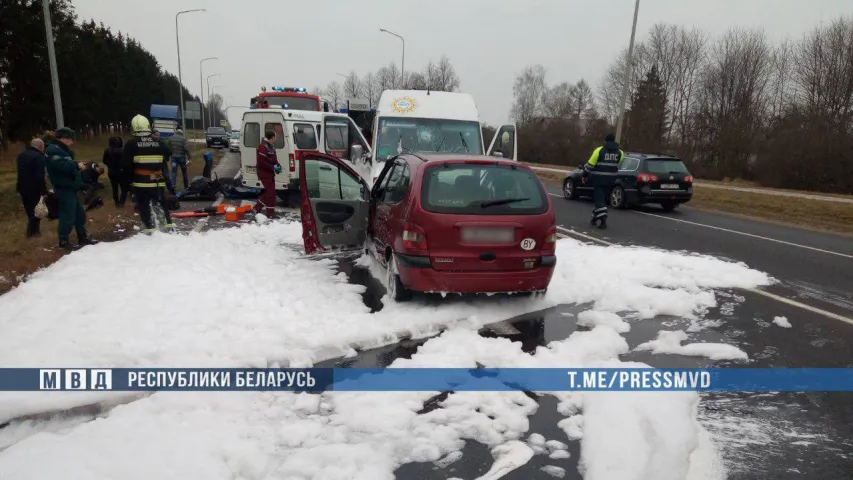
440 223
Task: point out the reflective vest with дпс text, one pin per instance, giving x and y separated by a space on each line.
149 160
605 159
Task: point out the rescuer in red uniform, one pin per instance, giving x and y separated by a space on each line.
267 168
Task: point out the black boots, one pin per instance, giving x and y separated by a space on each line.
34 228
68 246
602 224
88 241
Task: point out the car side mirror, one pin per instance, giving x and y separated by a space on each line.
356 152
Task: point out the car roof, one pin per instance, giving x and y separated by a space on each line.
430 157
644 156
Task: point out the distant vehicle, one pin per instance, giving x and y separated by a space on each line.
234 142
217 136
165 119
298 133
453 223
421 121
642 179
286 98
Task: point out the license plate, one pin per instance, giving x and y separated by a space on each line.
670 186
488 235
251 169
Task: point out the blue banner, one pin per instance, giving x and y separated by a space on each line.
428 379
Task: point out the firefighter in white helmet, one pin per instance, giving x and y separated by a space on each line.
145 162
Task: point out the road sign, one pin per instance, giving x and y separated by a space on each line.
224 123
192 110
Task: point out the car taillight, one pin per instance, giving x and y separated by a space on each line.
688 179
414 237
646 178
292 162
550 238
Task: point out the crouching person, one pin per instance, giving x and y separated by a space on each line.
64 173
145 161
90 174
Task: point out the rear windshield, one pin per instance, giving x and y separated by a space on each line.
661 166
467 189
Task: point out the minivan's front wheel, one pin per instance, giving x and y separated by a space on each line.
396 290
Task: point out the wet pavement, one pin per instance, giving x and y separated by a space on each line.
760 436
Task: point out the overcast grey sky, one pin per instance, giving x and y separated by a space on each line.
307 43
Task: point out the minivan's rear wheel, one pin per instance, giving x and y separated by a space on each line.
396 290
668 206
617 197
569 191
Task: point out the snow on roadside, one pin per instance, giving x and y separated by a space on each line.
670 342
782 322
367 435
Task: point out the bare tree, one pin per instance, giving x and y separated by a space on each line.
352 86
443 76
781 84
388 77
371 89
610 89
528 91
582 101
557 101
333 94
732 102
823 70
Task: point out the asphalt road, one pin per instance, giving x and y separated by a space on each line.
761 436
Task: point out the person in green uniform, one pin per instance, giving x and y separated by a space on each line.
64 173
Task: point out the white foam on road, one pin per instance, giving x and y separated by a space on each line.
670 342
782 322
246 297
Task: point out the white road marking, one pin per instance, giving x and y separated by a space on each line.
582 235
802 305
747 234
769 295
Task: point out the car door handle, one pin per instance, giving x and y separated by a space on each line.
325 167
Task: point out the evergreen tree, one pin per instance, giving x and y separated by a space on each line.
647 118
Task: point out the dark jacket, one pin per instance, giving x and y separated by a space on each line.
62 167
144 162
605 159
31 172
266 160
112 159
89 174
178 145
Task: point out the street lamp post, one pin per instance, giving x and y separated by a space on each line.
180 78
201 85
208 96
626 80
403 61
54 72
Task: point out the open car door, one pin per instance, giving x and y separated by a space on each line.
505 143
334 203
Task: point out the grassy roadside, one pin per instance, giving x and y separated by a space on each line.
20 256
818 215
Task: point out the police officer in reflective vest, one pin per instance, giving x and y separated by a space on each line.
603 166
145 161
